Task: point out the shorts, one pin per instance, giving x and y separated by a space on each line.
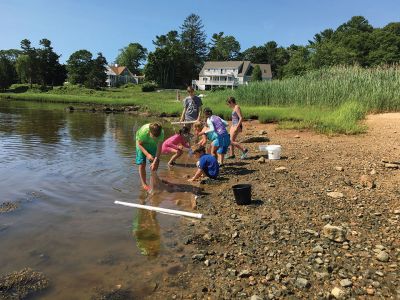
222 142
166 150
141 158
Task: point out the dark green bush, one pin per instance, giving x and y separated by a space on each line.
148 87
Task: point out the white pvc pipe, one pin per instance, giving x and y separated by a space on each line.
184 122
167 211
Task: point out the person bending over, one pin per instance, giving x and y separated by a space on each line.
149 139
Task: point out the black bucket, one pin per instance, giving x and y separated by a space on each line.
242 193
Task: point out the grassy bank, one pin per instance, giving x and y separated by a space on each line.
330 100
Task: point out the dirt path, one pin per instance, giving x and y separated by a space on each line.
280 246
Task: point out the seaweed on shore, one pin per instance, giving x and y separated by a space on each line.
20 284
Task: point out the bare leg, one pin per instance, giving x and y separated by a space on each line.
142 174
177 154
233 141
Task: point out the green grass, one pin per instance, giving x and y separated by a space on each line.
332 100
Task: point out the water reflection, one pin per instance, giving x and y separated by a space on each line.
81 126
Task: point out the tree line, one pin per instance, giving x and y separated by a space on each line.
180 54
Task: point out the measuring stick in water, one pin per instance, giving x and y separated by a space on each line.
184 122
167 211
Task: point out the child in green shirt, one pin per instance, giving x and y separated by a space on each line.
149 139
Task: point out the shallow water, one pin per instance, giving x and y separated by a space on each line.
65 170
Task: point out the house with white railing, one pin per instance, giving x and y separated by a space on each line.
228 74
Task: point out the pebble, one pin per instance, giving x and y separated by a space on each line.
346 282
339 168
281 169
382 256
199 257
318 249
334 233
370 291
302 283
245 273
397 212
367 182
261 160
256 297
319 261
338 293
335 195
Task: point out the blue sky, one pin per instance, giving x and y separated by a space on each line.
107 26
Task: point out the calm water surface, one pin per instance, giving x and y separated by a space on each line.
65 170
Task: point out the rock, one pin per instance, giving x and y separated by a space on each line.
261 160
391 166
296 136
302 283
313 232
339 168
199 257
281 169
370 291
337 293
207 263
346 282
335 195
245 273
256 297
382 256
367 181
334 233
318 249
373 172
262 132
321 275
319 261
396 212
255 139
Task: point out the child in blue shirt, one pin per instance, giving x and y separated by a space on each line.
207 164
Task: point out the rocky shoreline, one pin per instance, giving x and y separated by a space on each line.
323 224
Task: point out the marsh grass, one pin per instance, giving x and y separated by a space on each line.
332 100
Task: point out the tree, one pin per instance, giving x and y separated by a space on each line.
256 75
223 47
132 57
30 63
164 65
193 39
299 62
79 66
49 70
96 78
7 72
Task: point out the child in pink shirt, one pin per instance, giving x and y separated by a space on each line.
175 144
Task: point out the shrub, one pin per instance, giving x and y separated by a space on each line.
148 87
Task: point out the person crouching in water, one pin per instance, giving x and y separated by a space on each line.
207 164
176 144
218 125
149 139
236 128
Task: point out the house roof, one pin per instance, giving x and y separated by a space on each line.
244 67
266 71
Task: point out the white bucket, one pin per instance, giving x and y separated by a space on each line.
263 148
274 151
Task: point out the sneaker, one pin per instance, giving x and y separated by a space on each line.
230 157
244 154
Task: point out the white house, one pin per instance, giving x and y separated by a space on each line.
117 75
228 74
